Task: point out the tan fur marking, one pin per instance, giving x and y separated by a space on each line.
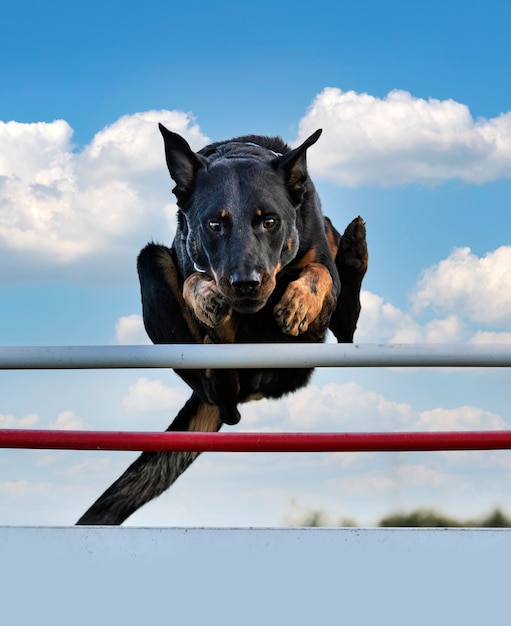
198 292
319 273
170 276
334 248
205 420
254 397
225 332
308 258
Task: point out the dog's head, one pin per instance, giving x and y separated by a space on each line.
239 213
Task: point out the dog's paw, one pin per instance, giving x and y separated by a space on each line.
306 304
206 301
353 255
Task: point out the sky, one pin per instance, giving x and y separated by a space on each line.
415 104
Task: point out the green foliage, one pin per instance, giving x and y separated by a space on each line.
419 518
495 519
429 518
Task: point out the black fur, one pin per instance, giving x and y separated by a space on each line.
253 260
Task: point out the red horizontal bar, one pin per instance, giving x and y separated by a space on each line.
255 442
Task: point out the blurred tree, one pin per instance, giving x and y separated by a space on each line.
418 518
495 519
429 518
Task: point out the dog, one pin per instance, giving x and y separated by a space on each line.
254 260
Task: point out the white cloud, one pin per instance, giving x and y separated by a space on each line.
68 420
24 489
130 330
346 407
460 418
336 407
381 321
150 396
490 337
465 289
87 212
401 139
90 465
28 421
419 475
476 288
446 330
406 475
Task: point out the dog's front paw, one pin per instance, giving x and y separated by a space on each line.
296 309
307 303
206 301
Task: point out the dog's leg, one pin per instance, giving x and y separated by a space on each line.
212 310
168 319
308 301
351 259
207 303
153 472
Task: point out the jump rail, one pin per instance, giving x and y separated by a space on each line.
192 356
221 356
256 442
296 572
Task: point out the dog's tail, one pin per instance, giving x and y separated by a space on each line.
153 472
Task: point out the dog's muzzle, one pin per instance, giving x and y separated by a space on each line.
248 291
245 285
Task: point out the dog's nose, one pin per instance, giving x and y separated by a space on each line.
245 284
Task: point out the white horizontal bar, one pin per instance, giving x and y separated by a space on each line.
197 356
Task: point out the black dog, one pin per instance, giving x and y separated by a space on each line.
253 260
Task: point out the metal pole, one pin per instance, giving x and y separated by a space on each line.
256 442
193 356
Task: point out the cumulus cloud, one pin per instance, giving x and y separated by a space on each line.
10 421
460 418
346 407
68 420
476 288
464 290
336 407
151 396
381 321
400 139
89 211
490 337
129 330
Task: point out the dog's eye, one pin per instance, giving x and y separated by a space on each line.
269 222
215 225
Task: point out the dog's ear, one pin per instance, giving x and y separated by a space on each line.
293 165
182 161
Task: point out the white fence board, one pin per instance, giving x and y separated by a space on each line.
124 576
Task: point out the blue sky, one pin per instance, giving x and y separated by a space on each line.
415 103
